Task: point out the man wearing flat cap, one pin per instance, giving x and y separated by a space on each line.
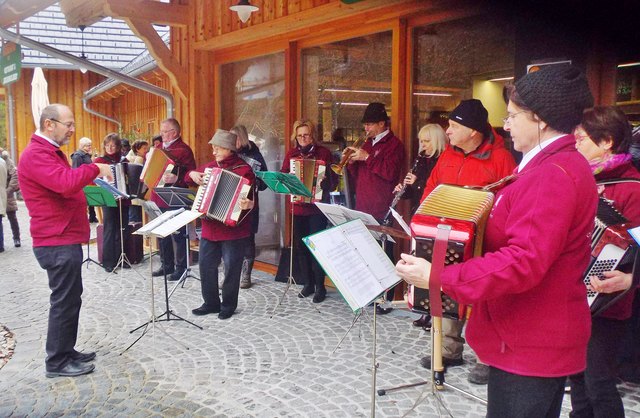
475 156
220 241
376 168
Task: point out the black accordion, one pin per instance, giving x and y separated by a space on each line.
126 178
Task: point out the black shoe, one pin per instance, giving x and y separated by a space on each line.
1 249
93 220
424 322
306 291
176 275
162 270
16 242
73 368
320 295
83 357
225 315
382 311
479 375
446 362
110 269
204 310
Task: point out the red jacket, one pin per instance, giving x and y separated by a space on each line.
53 194
626 198
321 153
376 177
215 230
530 314
489 163
184 161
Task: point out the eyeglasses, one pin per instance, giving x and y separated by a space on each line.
580 138
69 125
511 116
166 132
303 136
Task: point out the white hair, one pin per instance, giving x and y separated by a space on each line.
84 141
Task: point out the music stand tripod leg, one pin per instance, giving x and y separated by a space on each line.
187 272
290 279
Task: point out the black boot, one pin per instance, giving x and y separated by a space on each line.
321 291
245 275
307 290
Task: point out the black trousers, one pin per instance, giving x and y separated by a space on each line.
63 265
594 393
211 253
15 226
312 273
174 249
111 247
515 396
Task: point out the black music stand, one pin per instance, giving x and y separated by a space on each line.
176 198
288 184
160 227
97 196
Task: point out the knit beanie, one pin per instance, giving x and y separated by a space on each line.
558 94
472 114
224 139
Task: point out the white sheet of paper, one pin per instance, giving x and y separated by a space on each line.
635 234
175 223
400 221
338 215
151 225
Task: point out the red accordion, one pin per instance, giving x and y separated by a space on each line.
219 196
465 211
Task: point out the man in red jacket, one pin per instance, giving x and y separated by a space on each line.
376 168
58 209
184 160
475 156
220 241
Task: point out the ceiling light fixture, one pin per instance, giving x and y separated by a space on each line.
83 70
244 10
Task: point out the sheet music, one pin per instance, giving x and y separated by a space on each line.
400 221
115 192
354 261
175 223
150 226
338 215
151 208
635 234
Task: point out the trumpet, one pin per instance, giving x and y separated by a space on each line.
338 168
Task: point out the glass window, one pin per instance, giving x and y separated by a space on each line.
462 59
339 80
252 94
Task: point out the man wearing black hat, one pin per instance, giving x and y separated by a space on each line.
475 156
376 167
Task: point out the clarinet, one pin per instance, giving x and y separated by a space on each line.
398 195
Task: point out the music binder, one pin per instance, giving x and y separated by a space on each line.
97 196
354 261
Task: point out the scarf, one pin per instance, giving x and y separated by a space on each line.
608 163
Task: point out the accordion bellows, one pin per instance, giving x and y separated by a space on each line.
219 196
310 173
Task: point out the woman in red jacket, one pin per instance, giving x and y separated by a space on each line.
308 219
111 246
530 321
603 139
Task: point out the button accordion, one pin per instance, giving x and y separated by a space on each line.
218 198
126 178
465 212
310 173
610 246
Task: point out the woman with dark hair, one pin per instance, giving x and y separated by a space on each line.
249 152
530 321
138 152
111 247
603 139
307 217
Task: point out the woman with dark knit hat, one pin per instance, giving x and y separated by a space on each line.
603 139
530 320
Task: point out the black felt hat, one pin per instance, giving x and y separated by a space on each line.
558 94
472 114
375 112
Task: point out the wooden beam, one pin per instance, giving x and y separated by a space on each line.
13 11
88 12
165 59
364 13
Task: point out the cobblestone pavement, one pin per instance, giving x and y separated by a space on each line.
253 365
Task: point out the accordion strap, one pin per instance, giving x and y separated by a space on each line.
617 181
437 264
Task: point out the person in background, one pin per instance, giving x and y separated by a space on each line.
432 141
126 146
80 157
249 152
307 218
603 139
111 245
220 241
174 249
156 141
530 322
3 199
57 206
138 152
375 169
12 205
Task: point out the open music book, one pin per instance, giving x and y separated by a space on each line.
338 214
354 261
167 223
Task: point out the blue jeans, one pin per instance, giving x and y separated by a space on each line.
63 264
515 396
211 253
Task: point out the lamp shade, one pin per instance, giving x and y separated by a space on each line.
244 10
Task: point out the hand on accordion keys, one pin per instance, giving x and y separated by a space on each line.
245 203
105 171
614 281
197 177
414 270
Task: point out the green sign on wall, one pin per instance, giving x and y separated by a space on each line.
10 63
